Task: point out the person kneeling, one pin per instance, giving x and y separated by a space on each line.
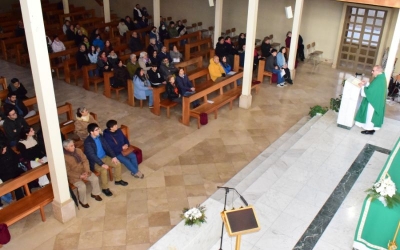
101 158
78 172
119 144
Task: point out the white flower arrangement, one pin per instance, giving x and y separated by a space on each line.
195 215
385 191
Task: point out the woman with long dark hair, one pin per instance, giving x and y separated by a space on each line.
142 87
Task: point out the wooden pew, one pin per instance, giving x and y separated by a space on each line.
196 62
22 56
53 15
222 99
90 23
31 202
107 85
107 29
55 63
8 46
194 36
261 72
131 98
71 70
203 48
3 82
76 15
237 68
87 80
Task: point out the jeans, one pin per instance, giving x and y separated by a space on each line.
7 198
129 161
149 93
194 103
280 78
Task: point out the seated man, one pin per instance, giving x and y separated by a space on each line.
13 123
215 69
272 66
164 54
134 43
119 143
167 68
132 65
155 76
18 88
19 105
101 158
185 87
78 171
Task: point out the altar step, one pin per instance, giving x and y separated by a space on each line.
271 164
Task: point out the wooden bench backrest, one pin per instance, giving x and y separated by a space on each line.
66 109
90 22
191 36
3 94
70 44
197 62
125 130
30 102
7 35
74 16
198 74
129 86
10 44
23 180
68 52
3 82
198 44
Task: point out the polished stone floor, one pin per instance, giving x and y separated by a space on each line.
183 165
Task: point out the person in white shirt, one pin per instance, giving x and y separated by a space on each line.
57 45
66 25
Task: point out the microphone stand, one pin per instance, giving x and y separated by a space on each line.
226 194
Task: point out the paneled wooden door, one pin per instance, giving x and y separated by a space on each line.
361 37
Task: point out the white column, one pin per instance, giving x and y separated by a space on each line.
246 98
298 9
63 206
393 50
156 13
107 11
66 6
218 20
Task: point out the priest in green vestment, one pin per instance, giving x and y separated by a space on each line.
371 113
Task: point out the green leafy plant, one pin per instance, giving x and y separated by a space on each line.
317 109
335 103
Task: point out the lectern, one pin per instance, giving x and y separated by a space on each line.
240 221
351 100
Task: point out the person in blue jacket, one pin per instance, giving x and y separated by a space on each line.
225 64
185 87
118 142
281 61
142 87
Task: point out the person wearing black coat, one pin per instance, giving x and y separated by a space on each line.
155 75
129 23
71 33
82 57
172 90
134 43
18 88
121 75
220 47
266 47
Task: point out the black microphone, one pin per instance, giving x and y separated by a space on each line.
240 196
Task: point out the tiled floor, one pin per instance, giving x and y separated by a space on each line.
183 165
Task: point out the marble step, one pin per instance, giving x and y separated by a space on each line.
249 174
182 237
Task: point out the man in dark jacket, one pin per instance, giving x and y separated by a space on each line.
155 76
167 68
134 43
13 124
19 105
101 157
272 66
266 47
82 57
18 88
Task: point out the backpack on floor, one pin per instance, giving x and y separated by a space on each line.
274 78
203 118
138 153
4 234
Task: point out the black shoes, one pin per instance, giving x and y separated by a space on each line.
122 183
96 197
84 205
368 132
107 192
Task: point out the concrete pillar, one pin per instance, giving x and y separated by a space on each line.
393 49
66 7
218 20
246 98
156 13
63 206
107 11
298 9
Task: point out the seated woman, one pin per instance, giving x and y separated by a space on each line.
176 55
152 46
83 119
112 59
129 23
121 75
281 61
32 152
225 65
107 47
122 28
185 86
144 61
172 90
142 87
154 58
118 143
103 65
241 41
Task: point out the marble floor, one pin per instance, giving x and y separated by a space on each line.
183 165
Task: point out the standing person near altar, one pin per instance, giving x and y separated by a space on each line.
371 113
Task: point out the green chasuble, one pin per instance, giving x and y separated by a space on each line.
376 96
